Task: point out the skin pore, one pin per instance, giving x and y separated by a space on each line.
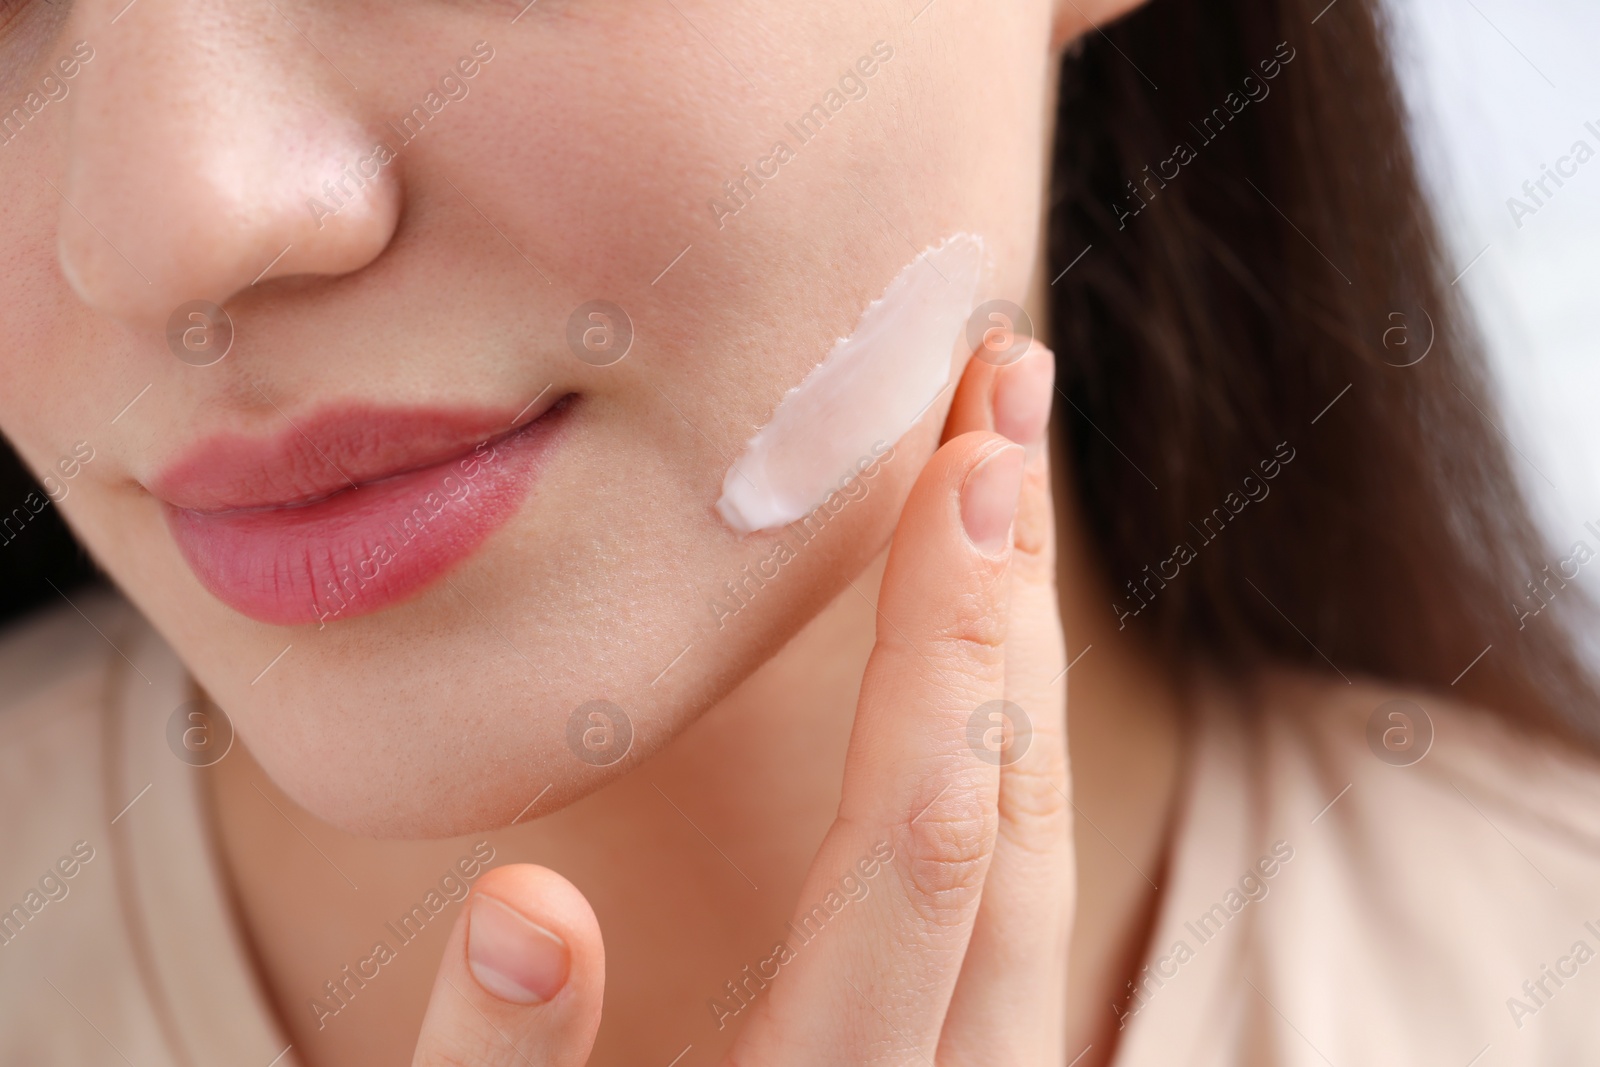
758 775
582 164
579 164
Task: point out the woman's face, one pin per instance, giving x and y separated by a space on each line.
404 207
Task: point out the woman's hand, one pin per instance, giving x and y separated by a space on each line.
954 816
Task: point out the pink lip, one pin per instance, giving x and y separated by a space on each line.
350 510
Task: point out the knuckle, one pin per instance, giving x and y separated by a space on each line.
469 1049
974 631
967 643
1035 809
1033 553
946 850
455 1055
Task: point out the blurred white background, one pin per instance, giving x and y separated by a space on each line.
1499 88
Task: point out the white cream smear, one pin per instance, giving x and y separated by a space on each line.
871 388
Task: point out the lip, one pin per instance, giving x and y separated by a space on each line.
349 510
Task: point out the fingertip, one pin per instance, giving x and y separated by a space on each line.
528 931
1012 399
1023 395
522 978
511 955
989 499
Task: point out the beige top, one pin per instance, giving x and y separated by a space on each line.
138 960
1326 906
1322 906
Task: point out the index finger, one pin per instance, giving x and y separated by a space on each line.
869 963
1010 1004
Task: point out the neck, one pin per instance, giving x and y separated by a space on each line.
692 862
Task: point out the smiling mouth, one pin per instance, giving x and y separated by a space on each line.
354 510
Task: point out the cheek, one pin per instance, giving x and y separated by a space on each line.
65 374
41 358
598 142
620 565
643 167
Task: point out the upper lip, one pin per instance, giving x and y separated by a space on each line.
327 451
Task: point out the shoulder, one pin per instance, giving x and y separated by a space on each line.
108 885
1360 873
57 667
58 891
1461 765
69 639
1446 867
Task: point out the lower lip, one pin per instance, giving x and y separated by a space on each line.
368 547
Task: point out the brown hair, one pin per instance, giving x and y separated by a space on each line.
1261 265
36 550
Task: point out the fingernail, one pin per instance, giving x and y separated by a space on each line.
511 957
1023 394
989 499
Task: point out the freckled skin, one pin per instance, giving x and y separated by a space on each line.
581 163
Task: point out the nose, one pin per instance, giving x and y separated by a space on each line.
213 146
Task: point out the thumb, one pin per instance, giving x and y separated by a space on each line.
522 977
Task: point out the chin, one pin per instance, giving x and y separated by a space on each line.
525 684
438 770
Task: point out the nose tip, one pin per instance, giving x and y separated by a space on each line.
193 173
